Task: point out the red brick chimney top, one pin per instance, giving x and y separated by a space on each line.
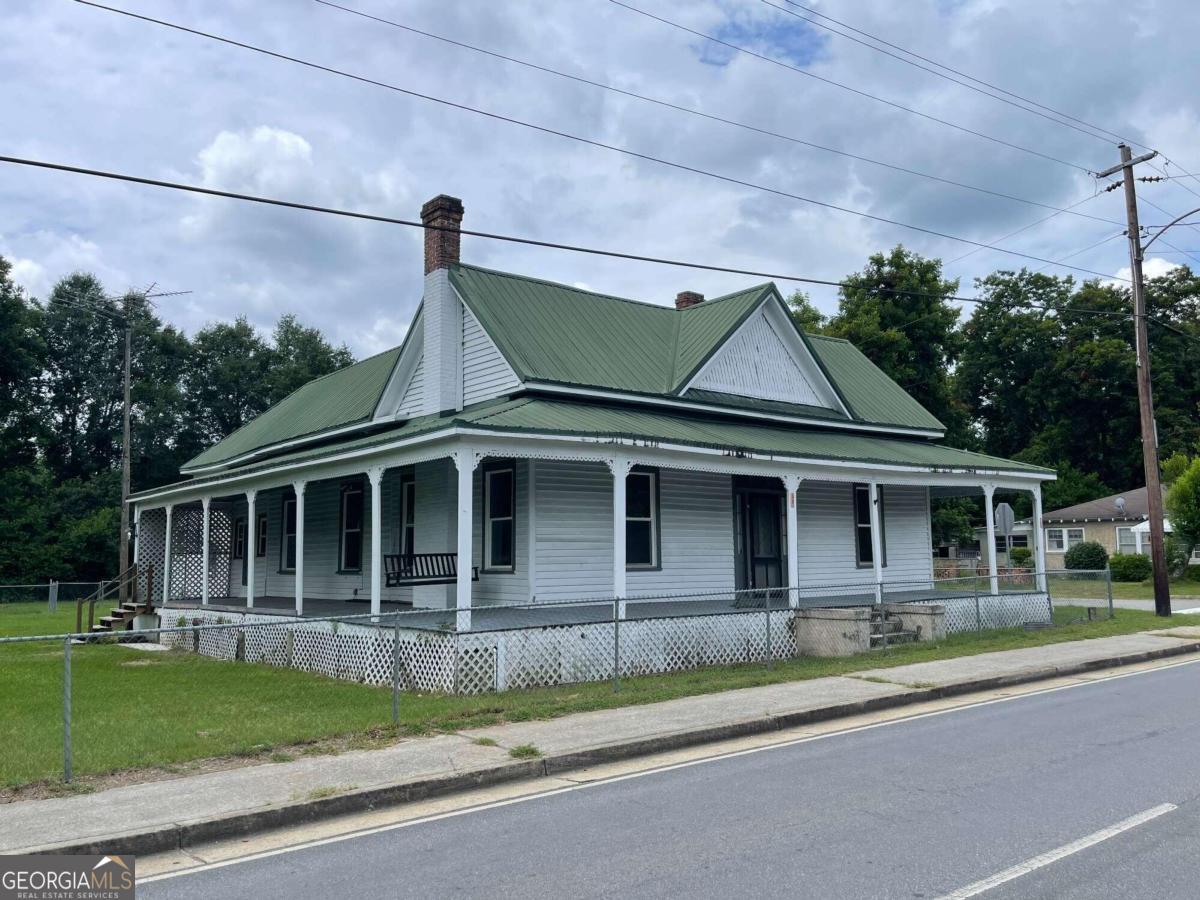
442 217
684 299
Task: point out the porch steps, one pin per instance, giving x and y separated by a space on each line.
888 631
120 617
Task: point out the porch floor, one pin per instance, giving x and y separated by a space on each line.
485 617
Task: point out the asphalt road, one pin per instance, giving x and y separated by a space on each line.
916 808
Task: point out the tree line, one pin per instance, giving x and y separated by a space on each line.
61 404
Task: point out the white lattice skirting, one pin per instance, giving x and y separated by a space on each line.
476 662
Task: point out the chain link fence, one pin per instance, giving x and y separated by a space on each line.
514 646
47 591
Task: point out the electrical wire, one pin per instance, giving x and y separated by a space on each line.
838 84
683 167
1057 121
513 239
666 104
955 71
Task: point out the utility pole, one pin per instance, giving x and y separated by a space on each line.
123 562
1154 500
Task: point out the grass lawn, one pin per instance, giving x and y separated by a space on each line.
1065 586
139 710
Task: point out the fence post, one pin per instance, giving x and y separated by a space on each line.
67 709
396 670
616 644
767 606
975 591
1108 588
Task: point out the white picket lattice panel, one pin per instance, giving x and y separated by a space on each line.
995 611
151 547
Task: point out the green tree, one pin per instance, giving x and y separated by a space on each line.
1183 507
299 354
225 384
897 311
810 319
1174 466
22 356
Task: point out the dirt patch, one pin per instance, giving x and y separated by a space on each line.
88 784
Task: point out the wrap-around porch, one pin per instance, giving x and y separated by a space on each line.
547 525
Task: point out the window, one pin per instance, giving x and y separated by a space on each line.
499 526
862 525
260 536
350 557
408 516
287 546
641 519
1126 540
239 539
1015 540
1060 540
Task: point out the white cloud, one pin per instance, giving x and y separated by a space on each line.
87 87
1154 267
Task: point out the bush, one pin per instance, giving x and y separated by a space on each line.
1178 552
1021 556
1086 555
1129 566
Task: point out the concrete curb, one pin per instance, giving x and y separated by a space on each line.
189 833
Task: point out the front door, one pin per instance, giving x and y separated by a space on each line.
760 543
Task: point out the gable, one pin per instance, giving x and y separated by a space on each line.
404 394
766 360
485 372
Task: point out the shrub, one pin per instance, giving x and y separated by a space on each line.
1086 555
1178 552
1129 566
1021 556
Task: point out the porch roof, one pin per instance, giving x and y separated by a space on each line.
594 421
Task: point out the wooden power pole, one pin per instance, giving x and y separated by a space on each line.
125 452
1154 499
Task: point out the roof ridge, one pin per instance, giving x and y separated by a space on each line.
730 296
827 337
566 287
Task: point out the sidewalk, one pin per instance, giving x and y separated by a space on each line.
163 815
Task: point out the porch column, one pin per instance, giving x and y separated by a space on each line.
375 476
166 572
137 517
876 539
1039 547
465 460
250 550
298 487
619 466
989 493
791 484
206 519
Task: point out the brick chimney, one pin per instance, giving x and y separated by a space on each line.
684 299
442 217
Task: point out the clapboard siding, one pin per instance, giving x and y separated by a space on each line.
825 520
503 587
413 400
485 373
574 530
436 523
755 363
696 529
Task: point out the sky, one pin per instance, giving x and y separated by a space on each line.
89 88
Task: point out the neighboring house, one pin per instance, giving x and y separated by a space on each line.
533 441
1119 523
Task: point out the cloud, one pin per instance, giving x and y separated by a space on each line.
1154 267
90 88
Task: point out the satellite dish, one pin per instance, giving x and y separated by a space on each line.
1120 504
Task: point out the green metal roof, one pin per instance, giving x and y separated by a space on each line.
571 418
578 418
871 394
345 397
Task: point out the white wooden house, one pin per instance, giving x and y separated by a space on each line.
534 442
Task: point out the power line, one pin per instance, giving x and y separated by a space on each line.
513 239
683 167
699 113
838 84
1089 131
